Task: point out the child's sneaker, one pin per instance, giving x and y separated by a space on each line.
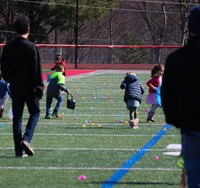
131 123
54 114
149 120
47 117
134 123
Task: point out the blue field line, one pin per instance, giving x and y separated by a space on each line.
136 157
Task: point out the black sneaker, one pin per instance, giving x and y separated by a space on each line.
26 146
47 117
150 120
54 114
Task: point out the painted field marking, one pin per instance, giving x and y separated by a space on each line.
85 149
1 124
174 147
172 153
136 157
82 168
92 135
173 150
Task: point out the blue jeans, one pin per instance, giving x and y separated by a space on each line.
49 101
33 106
191 156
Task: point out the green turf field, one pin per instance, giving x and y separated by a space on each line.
93 140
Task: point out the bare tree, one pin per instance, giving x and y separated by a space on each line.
6 21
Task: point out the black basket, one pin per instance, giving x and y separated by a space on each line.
71 102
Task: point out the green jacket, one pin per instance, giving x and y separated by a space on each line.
56 84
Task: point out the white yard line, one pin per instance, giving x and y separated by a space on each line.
103 124
122 71
94 135
85 168
87 149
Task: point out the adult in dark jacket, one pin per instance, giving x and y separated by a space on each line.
21 67
132 96
180 98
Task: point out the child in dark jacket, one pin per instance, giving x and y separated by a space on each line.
54 90
132 96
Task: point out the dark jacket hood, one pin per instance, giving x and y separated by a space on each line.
131 78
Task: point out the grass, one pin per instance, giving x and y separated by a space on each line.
92 141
